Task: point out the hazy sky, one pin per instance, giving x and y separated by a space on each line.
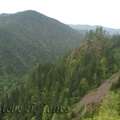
93 12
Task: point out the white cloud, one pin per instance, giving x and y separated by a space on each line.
95 12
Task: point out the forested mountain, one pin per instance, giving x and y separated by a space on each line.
50 91
90 27
28 38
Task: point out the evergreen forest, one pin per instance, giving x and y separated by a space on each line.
46 68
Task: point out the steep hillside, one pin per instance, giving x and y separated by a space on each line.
28 37
94 97
53 88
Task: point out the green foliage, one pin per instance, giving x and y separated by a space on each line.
116 85
80 108
87 114
62 83
46 115
33 118
83 86
71 115
55 117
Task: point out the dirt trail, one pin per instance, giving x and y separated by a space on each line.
97 96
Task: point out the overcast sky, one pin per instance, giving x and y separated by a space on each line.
92 12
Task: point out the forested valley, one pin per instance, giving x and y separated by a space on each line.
50 90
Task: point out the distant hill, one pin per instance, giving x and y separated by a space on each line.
4 14
90 27
27 38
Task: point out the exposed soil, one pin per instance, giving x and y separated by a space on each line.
97 96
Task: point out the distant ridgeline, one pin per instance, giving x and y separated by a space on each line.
28 38
63 83
83 28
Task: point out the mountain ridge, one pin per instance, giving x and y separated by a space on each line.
93 27
28 38
29 31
